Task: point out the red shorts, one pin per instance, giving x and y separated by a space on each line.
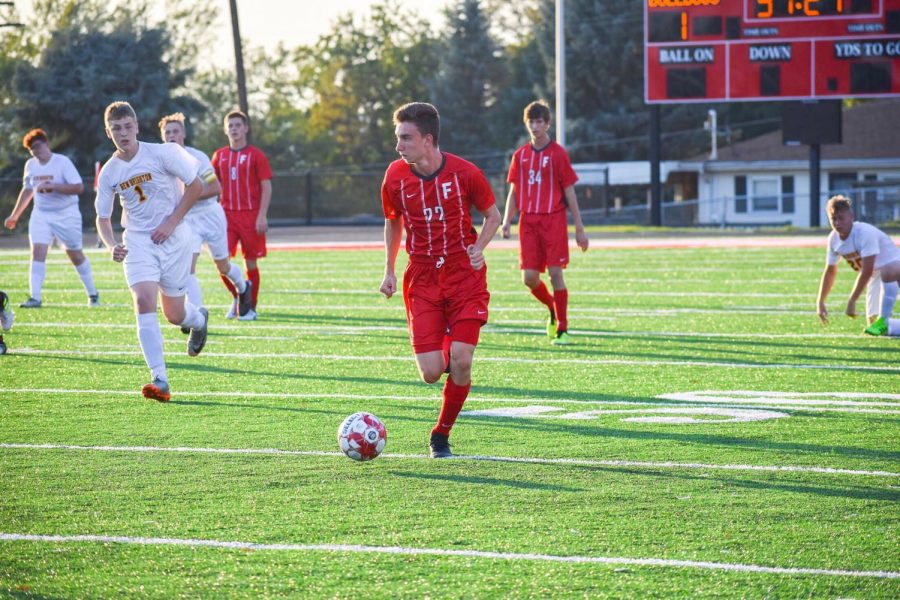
439 297
543 241
242 228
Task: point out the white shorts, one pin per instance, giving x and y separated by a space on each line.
209 226
64 224
167 264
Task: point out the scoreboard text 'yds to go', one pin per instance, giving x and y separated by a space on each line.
740 50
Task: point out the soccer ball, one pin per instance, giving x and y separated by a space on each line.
362 436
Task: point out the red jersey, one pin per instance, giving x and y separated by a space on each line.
240 173
539 177
436 210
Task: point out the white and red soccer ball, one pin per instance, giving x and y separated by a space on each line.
362 436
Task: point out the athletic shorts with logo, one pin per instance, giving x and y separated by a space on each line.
242 228
543 241
64 224
167 264
440 293
210 227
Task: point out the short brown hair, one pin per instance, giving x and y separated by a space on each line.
539 109
173 118
118 110
35 135
838 203
423 115
239 114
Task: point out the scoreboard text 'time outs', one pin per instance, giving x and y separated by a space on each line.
740 50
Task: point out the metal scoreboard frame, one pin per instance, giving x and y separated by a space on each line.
759 50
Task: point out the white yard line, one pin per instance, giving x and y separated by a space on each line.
692 399
558 360
443 552
509 459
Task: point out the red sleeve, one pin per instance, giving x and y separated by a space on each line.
513 174
480 190
215 163
263 170
387 197
567 176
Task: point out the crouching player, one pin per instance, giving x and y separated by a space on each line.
870 252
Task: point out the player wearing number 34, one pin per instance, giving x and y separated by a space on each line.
157 243
872 254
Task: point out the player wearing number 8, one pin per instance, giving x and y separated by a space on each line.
872 254
541 186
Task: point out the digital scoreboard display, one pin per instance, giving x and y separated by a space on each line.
743 50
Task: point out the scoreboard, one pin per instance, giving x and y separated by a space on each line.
744 50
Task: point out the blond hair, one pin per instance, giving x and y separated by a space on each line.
173 118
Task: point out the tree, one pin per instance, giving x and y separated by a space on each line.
468 81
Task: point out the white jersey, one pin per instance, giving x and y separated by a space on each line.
59 169
207 174
864 240
147 185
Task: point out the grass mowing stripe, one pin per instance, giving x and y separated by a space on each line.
458 457
608 560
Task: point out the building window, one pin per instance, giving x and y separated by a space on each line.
765 195
740 193
787 194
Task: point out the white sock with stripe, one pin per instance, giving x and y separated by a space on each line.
150 337
192 316
237 278
888 299
38 272
87 277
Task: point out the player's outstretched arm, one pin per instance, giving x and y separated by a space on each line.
862 280
393 234
22 201
825 285
581 237
509 214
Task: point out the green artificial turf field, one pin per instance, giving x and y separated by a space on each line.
705 436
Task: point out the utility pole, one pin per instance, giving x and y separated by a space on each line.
560 73
239 59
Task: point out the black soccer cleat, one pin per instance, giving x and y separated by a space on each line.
245 299
440 446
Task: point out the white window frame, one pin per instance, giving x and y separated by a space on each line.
753 197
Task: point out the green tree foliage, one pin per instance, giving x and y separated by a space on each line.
355 76
468 81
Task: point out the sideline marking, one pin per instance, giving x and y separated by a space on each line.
537 361
510 459
701 401
732 415
402 551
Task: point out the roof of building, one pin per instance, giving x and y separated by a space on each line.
870 130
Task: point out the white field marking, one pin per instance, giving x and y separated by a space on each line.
483 359
510 459
733 415
857 407
791 398
443 552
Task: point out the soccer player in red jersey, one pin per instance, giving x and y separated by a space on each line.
430 193
541 186
246 179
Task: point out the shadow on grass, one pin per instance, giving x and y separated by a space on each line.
524 485
844 491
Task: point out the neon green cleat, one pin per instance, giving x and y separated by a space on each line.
879 327
551 327
562 339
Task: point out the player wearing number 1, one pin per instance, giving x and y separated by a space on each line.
541 187
156 245
868 251
430 193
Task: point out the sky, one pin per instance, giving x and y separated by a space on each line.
293 22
